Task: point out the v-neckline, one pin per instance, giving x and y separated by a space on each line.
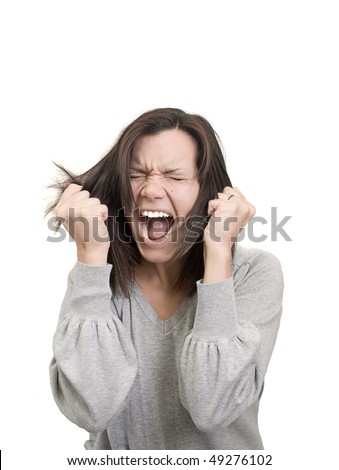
163 326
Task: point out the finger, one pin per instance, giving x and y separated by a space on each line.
66 202
77 205
71 189
227 188
232 190
252 210
98 210
229 192
77 208
69 192
237 190
225 196
213 205
75 197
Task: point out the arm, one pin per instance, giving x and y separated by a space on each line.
94 363
225 356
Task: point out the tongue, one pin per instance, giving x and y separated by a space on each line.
157 227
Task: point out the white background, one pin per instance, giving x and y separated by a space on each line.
265 74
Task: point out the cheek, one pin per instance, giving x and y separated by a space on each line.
194 193
135 190
187 199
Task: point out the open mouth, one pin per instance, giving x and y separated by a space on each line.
155 225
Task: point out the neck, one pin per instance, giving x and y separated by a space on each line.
159 275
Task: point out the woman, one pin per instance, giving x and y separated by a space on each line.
167 326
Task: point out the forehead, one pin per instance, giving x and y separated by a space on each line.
167 147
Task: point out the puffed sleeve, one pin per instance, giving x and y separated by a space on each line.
226 354
94 363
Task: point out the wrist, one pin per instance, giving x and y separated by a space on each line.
94 258
217 263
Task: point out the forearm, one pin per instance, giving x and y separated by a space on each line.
92 371
219 360
217 262
225 357
218 380
94 363
96 257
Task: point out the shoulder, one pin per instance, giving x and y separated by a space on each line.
259 264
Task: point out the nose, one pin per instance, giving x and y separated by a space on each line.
153 189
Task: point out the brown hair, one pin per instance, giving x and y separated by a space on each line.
109 181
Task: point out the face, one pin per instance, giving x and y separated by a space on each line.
165 187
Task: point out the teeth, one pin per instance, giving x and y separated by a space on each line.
155 214
144 230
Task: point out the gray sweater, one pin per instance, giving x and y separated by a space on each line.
134 381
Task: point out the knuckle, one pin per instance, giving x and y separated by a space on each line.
243 206
71 188
96 200
85 212
103 209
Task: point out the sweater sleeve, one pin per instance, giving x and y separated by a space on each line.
94 363
226 354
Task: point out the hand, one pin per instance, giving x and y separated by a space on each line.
229 215
84 218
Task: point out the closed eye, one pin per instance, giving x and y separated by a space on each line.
176 179
133 177
136 176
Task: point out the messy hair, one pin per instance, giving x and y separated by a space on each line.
109 180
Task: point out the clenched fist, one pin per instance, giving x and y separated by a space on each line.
229 215
230 212
84 218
